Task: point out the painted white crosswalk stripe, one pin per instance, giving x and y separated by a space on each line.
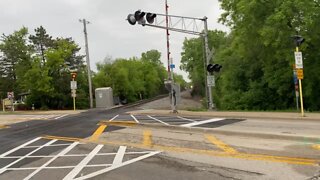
202 122
158 120
134 118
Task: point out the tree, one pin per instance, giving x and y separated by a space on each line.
257 72
15 60
41 41
52 90
152 56
192 58
132 79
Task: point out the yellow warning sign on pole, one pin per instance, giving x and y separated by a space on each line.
300 73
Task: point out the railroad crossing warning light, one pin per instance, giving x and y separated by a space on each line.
150 17
214 68
73 75
131 19
298 40
139 16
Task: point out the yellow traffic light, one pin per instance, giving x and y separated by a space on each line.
73 76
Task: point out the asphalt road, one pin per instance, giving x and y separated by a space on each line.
102 144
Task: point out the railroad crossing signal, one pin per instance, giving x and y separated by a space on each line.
138 16
73 76
214 68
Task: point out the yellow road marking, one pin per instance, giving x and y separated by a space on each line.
258 157
118 123
316 146
278 159
98 132
4 126
62 138
226 148
147 141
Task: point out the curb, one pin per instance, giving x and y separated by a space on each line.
205 114
236 133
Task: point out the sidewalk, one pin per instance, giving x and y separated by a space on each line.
36 112
7 118
230 114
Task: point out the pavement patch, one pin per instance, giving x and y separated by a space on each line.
220 123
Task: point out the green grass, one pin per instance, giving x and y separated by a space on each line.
200 109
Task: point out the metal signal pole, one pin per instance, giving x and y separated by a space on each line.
87 59
207 50
170 61
182 24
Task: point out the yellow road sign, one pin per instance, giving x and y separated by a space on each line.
300 73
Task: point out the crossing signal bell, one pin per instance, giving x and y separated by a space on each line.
214 68
139 16
73 76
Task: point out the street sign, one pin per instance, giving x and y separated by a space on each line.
298 58
73 93
10 95
73 84
211 81
300 73
172 66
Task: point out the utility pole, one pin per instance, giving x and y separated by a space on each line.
87 59
207 50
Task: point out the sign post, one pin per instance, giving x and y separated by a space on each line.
10 96
296 86
73 87
73 93
210 81
299 69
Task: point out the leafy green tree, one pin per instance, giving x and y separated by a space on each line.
133 78
192 58
257 72
61 56
152 56
14 61
41 41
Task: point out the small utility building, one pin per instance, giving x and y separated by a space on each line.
104 97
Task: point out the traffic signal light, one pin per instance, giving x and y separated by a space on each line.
298 40
214 68
73 76
138 16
